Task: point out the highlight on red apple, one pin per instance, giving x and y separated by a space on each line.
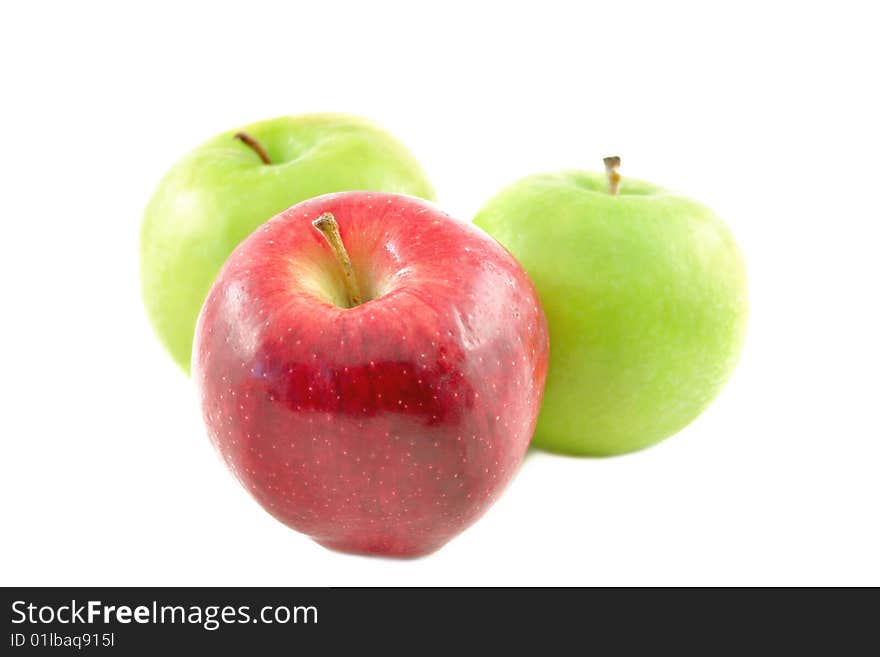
371 370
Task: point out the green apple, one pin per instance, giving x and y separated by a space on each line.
220 192
645 296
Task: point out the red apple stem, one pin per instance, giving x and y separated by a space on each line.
255 145
612 163
327 226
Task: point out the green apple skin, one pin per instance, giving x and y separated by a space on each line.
220 192
646 299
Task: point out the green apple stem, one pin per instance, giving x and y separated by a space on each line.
255 145
327 226
612 163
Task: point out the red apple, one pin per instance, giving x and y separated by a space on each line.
380 403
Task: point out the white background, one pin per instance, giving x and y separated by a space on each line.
766 111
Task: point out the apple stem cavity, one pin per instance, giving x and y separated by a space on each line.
327 226
612 164
255 145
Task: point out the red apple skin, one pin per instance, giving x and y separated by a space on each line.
389 427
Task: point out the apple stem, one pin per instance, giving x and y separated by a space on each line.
255 145
612 163
327 226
